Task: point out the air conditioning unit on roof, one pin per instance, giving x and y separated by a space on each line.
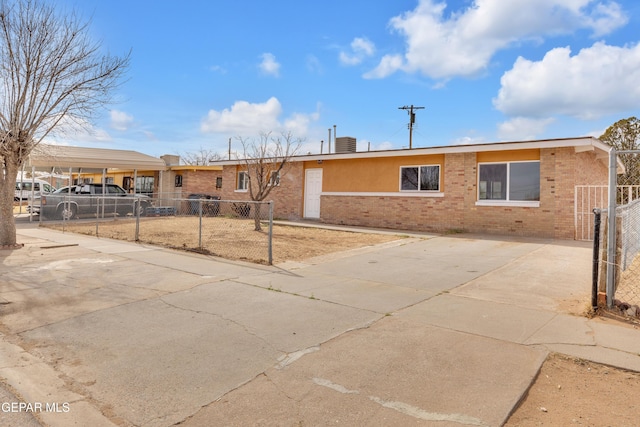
345 144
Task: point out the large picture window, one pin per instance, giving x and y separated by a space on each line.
144 184
420 178
510 181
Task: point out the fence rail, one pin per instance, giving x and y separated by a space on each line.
232 229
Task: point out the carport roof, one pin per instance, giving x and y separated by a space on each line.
49 156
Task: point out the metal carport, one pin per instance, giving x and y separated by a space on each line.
65 157
84 159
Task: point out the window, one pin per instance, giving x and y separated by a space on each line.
219 182
114 189
144 184
127 183
274 179
420 178
178 181
510 181
243 181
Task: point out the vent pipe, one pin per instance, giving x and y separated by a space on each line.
334 134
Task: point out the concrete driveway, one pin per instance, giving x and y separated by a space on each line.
424 329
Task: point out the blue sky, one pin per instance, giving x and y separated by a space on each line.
204 71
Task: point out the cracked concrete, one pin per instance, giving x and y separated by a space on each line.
398 334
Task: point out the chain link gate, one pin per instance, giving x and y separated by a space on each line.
622 255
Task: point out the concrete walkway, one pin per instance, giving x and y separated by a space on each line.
427 329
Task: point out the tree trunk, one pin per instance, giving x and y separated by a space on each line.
7 194
256 216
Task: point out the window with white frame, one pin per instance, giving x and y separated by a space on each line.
274 179
420 178
509 181
243 181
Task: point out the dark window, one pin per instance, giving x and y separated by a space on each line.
420 178
516 181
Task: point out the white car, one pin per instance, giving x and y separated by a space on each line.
24 188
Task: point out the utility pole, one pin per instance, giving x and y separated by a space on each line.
412 120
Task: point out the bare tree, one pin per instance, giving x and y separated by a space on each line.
50 72
266 160
202 157
625 135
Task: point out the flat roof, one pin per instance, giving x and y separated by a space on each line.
586 143
50 156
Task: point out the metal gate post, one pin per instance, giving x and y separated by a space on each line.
611 223
136 206
596 258
200 224
270 245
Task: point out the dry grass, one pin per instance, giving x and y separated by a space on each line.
231 238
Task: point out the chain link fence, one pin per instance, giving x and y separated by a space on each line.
627 289
626 267
238 230
620 269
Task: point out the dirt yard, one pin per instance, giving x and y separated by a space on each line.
231 238
570 392
567 392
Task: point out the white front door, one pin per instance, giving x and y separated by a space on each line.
312 191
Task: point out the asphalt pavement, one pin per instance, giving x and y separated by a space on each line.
425 330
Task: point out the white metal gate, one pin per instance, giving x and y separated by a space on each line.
588 197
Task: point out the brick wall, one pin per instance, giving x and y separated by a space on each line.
287 197
431 214
200 182
561 169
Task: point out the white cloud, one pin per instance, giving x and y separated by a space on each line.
361 48
314 65
522 128
244 118
388 65
463 43
269 65
218 69
74 130
366 145
605 18
120 120
150 135
599 80
469 140
298 123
